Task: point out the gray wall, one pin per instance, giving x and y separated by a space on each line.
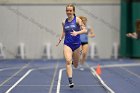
36 25
58 1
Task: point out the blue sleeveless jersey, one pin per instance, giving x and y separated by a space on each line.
69 27
84 37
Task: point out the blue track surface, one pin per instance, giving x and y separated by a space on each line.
40 76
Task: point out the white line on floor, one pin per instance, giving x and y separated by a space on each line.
26 74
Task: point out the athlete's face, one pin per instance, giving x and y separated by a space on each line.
69 11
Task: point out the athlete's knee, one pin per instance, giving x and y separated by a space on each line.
75 64
84 54
68 62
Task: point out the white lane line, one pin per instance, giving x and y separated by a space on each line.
100 79
26 74
138 76
59 80
9 78
54 85
42 68
52 81
9 68
103 66
120 65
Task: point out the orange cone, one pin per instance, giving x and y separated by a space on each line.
98 69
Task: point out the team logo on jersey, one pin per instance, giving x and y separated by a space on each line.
70 27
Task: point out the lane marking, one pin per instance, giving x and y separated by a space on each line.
100 79
138 76
26 74
93 73
59 80
54 75
103 66
9 78
9 68
54 85
13 68
120 65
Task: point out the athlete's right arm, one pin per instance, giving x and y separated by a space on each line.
62 34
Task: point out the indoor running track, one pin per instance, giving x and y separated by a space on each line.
40 76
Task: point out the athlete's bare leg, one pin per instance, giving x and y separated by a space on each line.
68 57
84 53
76 57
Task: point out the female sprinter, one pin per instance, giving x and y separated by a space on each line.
72 28
84 39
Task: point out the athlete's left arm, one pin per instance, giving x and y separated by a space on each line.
82 27
91 32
